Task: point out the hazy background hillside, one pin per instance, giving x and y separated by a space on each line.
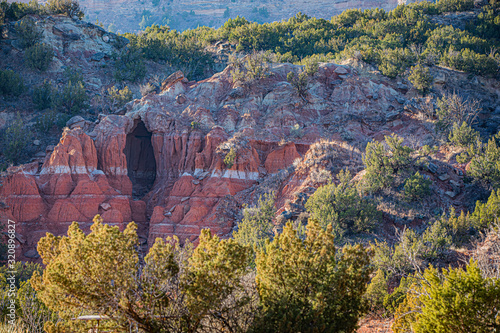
135 15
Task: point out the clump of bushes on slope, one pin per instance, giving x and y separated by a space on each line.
385 163
14 141
421 78
44 95
386 39
17 10
39 56
28 33
11 83
343 207
129 66
183 51
207 288
484 160
453 299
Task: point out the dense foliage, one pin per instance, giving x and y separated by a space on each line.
11 83
16 10
392 40
39 56
99 273
208 289
310 286
182 51
454 300
257 225
342 207
385 162
406 37
484 160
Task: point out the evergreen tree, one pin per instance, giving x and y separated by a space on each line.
455 300
310 286
257 224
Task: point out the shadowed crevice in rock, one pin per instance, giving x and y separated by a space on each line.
141 163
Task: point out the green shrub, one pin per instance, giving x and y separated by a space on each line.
253 67
400 259
183 51
436 242
299 82
413 251
129 66
73 98
257 66
484 161
230 158
342 207
455 5
11 83
15 141
400 155
376 292
464 227
73 75
311 65
454 109
379 173
487 214
416 187
305 285
398 295
394 62
469 61
461 227
70 8
17 10
382 164
119 98
43 95
421 78
443 37
46 121
257 225
28 33
453 300
463 136
486 24
39 56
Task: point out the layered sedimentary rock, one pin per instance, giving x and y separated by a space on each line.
164 162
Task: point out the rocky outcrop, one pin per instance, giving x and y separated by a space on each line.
164 164
69 38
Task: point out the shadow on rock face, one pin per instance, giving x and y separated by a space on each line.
141 163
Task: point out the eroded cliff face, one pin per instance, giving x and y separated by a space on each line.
161 163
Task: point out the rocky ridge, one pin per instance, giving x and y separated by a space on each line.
161 162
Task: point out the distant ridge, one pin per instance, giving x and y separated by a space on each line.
134 15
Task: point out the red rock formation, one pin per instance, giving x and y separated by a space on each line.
107 170
281 158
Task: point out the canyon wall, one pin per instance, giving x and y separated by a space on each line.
163 162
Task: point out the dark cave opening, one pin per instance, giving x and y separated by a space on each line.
141 163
